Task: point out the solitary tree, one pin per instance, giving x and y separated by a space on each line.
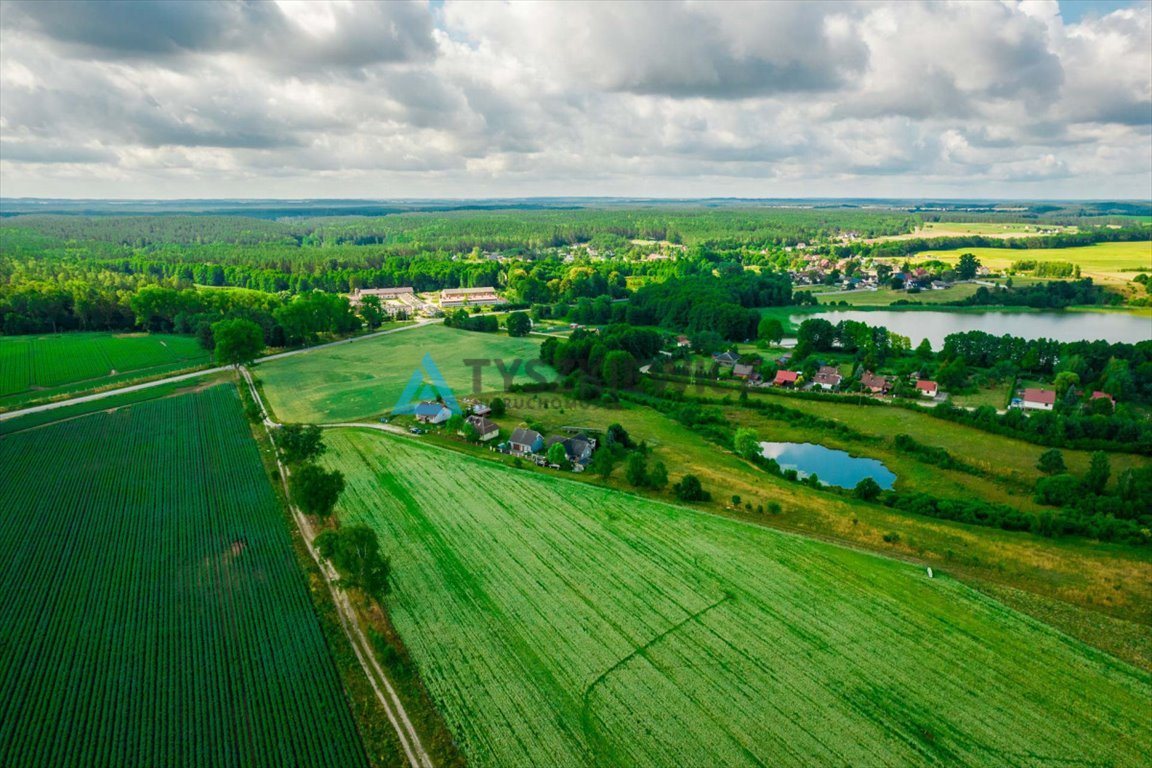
519 324
867 489
371 312
658 476
498 406
747 443
299 443
966 268
689 489
237 341
558 455
355 551
315 490
1099 470
636 469
1051 462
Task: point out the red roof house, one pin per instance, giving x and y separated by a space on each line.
1039 399
927 388
785 378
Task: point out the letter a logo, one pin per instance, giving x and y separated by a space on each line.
425 383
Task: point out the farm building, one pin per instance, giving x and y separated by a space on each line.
727 359
476 408
878 385
488 430
785 378
431 413
384 294
827 377
1039 399
525 440
458 297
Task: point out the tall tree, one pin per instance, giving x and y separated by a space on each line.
315 490
237 341
1099 470
518 324
355 551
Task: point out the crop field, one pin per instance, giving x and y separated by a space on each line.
1112 262
153 611
33 367
557 623
367 378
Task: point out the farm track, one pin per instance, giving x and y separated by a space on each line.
195 374
385 692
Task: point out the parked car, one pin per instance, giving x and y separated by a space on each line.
416 430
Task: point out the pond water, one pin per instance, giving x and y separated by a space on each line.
1062 326
831 466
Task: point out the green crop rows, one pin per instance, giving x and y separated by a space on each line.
44 365
557 623
153 613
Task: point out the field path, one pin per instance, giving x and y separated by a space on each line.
197 374
385 692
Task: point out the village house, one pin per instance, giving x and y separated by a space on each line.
877 385
1038 399
746 372
476 408
727 359
927 388
1098 395
785 378
458 297
524 440
827 377
487 430
683 341
432 413
578 448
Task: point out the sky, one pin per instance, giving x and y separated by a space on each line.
1032 99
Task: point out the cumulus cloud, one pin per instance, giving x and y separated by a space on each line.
355 98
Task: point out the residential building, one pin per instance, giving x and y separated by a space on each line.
524 440
878 385
488 430
1039 399
432 413
927 388
828 377
785 378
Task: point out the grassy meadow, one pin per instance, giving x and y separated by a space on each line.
561 623
43 367
365 379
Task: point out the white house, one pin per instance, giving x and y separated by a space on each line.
1039 399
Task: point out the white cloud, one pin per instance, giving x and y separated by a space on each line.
682 99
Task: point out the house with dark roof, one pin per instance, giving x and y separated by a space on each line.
785 378
877 385
431 413
1038 399
727 359
927 388
828 377
487 430
578 448
524 440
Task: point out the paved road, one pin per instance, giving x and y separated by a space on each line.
197 374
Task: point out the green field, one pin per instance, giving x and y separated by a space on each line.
367 378
154 613
41 367
557 623
1110 262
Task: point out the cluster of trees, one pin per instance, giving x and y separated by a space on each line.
353 550
722 304
1055 294
611 358
872 345
896 248
466 321
1087 497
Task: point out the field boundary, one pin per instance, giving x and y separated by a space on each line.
406 733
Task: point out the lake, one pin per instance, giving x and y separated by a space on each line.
831 466
1062 326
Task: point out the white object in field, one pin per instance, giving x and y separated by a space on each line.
929 571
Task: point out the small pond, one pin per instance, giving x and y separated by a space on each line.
832 467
